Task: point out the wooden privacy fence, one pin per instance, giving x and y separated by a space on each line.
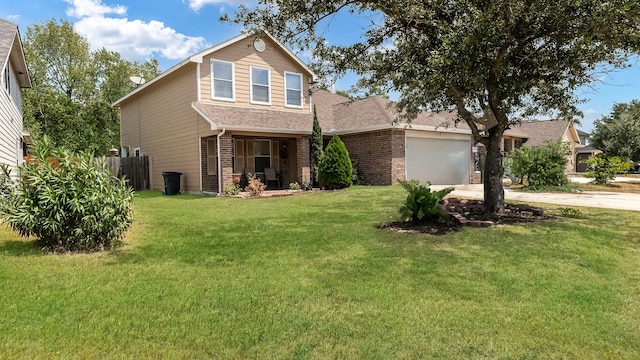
135 169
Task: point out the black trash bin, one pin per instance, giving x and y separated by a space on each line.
171 182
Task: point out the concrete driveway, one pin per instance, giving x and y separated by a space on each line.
600 199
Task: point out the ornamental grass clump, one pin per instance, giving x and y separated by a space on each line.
68 202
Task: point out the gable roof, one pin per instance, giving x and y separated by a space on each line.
11 48
198 58
541 131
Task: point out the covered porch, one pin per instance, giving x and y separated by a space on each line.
276 160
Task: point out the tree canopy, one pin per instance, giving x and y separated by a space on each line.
618 134
73 88
494 61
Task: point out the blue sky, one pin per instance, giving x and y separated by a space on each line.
170 31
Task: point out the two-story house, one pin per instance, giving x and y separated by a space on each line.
15 77
245 105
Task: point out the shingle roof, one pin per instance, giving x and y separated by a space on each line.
10 44
325 102
379 112
241 118
541 131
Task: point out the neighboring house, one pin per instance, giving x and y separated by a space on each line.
245 105
583 154
15 77
539 132
584 137
584 151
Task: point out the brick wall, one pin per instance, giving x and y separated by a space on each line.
226 159
380 155
303 169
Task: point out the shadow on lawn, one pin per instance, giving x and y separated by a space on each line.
19 248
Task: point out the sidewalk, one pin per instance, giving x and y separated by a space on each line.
600 199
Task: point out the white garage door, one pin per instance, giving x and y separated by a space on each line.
439 161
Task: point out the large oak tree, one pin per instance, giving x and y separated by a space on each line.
493 61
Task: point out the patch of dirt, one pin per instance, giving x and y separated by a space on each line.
470 213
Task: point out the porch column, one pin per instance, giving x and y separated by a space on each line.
304 160
226 160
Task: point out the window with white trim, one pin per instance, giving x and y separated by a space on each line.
260 86
293 89
222 80
136 152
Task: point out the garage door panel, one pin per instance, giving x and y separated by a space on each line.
439 161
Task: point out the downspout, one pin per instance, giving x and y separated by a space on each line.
219 160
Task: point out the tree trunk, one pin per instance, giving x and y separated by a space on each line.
493 171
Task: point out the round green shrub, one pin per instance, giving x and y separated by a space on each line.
67 202
334 169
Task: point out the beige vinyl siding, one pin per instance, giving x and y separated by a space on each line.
162 123
243 55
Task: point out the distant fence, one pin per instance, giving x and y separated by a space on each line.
135 169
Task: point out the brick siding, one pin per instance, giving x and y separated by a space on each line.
380 155
303 170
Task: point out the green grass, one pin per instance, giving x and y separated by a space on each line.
311 277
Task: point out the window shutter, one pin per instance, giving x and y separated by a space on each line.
239 157
212 166
250 160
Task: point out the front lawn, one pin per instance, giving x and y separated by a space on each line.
311 277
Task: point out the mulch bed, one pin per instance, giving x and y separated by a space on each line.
462 212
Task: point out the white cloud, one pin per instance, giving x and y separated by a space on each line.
91 8
589 112
136 39
13 18
196 5
133 39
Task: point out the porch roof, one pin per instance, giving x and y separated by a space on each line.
249 119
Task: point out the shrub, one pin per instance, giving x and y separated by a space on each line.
356 176
603 168
255 187
294 186
422 203
67 202
334 170
232 189
540 166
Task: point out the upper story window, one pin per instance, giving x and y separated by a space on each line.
222 78
260 88
293 89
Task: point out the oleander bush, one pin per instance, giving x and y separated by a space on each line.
66 201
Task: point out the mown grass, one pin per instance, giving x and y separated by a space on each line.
624 187
311 277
